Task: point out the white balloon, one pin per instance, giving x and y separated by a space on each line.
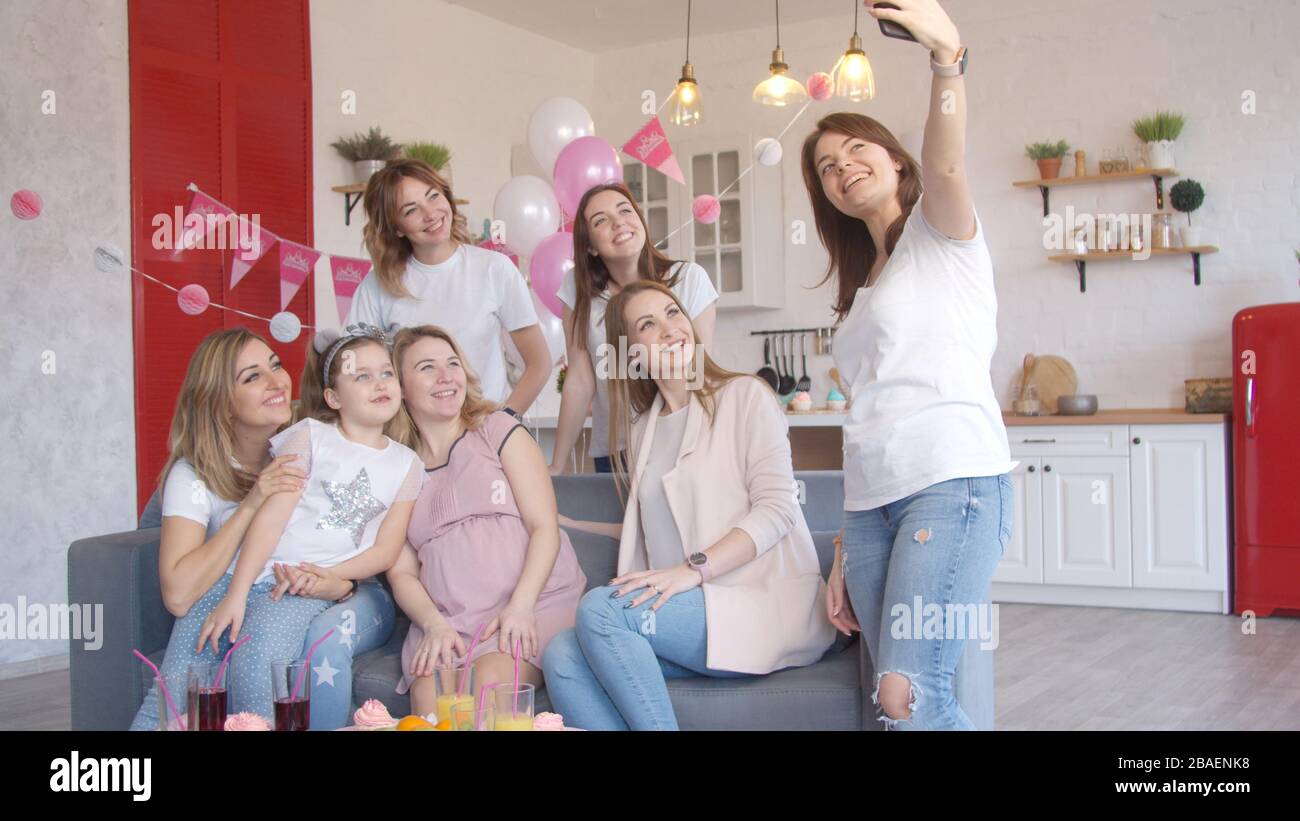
554 124
528 209
285 326
552 328
767 151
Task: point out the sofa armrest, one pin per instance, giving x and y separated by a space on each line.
120 572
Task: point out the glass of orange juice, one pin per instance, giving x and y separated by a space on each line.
514 706
451 690
467 716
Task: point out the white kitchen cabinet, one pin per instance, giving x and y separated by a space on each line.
1023 559
1179 538
1086 537
1119 516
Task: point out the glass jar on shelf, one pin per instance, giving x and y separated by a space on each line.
1161 231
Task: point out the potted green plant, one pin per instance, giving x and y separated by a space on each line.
1158 133
1048 156
1186 196
437 155
368 151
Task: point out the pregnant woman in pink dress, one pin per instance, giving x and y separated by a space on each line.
484 542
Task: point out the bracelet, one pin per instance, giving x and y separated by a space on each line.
350 593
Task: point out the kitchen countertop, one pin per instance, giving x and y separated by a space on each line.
1117 416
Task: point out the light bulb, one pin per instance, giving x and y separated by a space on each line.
686 99
779 89
854 78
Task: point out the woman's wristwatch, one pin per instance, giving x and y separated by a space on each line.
954 69
699 562
350 593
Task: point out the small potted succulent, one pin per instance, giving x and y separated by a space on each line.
437 155
1158 133
1048 156
1186 196
368 152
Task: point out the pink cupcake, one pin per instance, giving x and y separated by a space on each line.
247 722
548 721
373 715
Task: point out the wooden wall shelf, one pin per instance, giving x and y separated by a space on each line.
1081 260
1156 174
352 195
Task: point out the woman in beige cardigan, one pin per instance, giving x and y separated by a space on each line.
718 575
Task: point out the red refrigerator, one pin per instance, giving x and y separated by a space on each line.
1266 458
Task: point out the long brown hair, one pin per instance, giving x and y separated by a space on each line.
847 240
475 409
202 430
630 398
589 271
388 251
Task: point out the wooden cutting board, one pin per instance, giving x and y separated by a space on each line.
1053 377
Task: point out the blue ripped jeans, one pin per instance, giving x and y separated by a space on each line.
279 629
918 572
609 672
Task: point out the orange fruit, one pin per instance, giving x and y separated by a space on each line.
445 724
414 723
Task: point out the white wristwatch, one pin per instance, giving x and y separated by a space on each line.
955 69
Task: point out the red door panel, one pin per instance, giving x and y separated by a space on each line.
221 97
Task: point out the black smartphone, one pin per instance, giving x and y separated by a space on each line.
891 29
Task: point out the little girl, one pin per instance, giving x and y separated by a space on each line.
350 518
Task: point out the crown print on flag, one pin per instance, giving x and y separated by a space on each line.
347 273
296 262
650 145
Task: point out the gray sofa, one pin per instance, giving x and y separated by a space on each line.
121 571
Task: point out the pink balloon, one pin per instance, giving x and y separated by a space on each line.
820 86
552 259
706 208
193 299
25 204
582 165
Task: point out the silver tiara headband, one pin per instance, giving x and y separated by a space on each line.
333 341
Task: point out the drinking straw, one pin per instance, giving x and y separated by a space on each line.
306 665
161 686
519 646
464 676
221 671
477 720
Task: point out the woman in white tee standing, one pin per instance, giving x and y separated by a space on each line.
428 273
611 251
927 495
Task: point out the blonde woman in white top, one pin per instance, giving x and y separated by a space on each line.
927 494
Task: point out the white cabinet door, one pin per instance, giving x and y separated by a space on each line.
1023 561
1086 538
1180 532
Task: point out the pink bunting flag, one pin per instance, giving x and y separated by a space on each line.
201 216
296 263
253 243
650 146
347 273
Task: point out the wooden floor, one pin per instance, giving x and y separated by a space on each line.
1057 668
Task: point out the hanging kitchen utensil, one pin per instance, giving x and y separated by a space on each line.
766 373
805 383
787 378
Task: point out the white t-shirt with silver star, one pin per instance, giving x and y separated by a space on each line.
350 487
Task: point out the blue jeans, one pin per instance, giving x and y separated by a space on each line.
278 630
918 571
609 672
361 624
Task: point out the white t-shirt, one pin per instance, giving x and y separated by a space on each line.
188 496
475 295
693 288
350 488
916 349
